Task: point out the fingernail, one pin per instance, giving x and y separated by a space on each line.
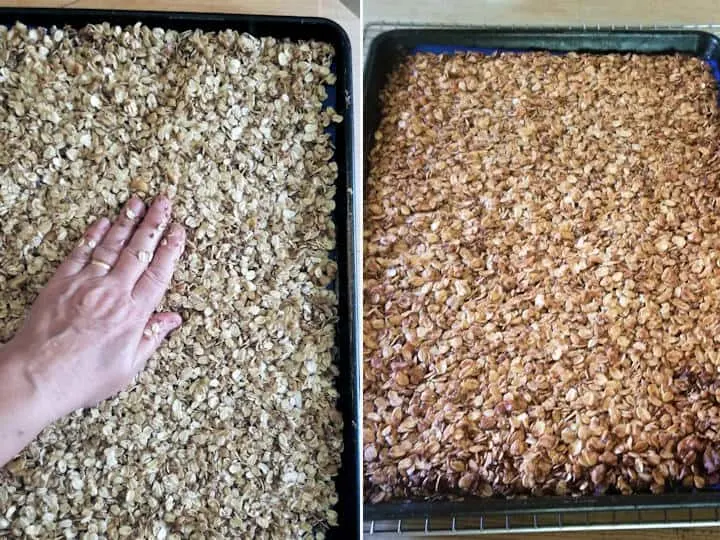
162 200
134 208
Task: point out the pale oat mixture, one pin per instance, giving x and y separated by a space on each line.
542 277
232 429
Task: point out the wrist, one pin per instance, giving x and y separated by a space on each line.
22 404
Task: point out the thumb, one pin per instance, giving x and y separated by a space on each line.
157 328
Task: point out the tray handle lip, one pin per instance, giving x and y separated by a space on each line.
407 30
168 14
384 27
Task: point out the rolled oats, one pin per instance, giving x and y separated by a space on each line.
542 302
232 430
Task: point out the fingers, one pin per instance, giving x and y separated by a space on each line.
108 251
157 328
153 283
80 255
136 257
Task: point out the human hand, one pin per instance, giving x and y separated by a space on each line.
94 326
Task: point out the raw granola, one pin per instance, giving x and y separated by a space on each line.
232 429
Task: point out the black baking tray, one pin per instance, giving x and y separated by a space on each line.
386 52
294 28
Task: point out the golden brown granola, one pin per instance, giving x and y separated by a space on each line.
542 277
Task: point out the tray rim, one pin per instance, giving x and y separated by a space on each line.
177 15
400 511
347 355
388 31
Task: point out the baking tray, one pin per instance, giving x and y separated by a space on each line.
294 28
475 515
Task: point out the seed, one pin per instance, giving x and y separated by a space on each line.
679 241
662 245
408 424
466 481
405 463
397 451
139 185
370 453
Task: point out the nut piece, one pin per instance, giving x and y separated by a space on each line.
541 290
